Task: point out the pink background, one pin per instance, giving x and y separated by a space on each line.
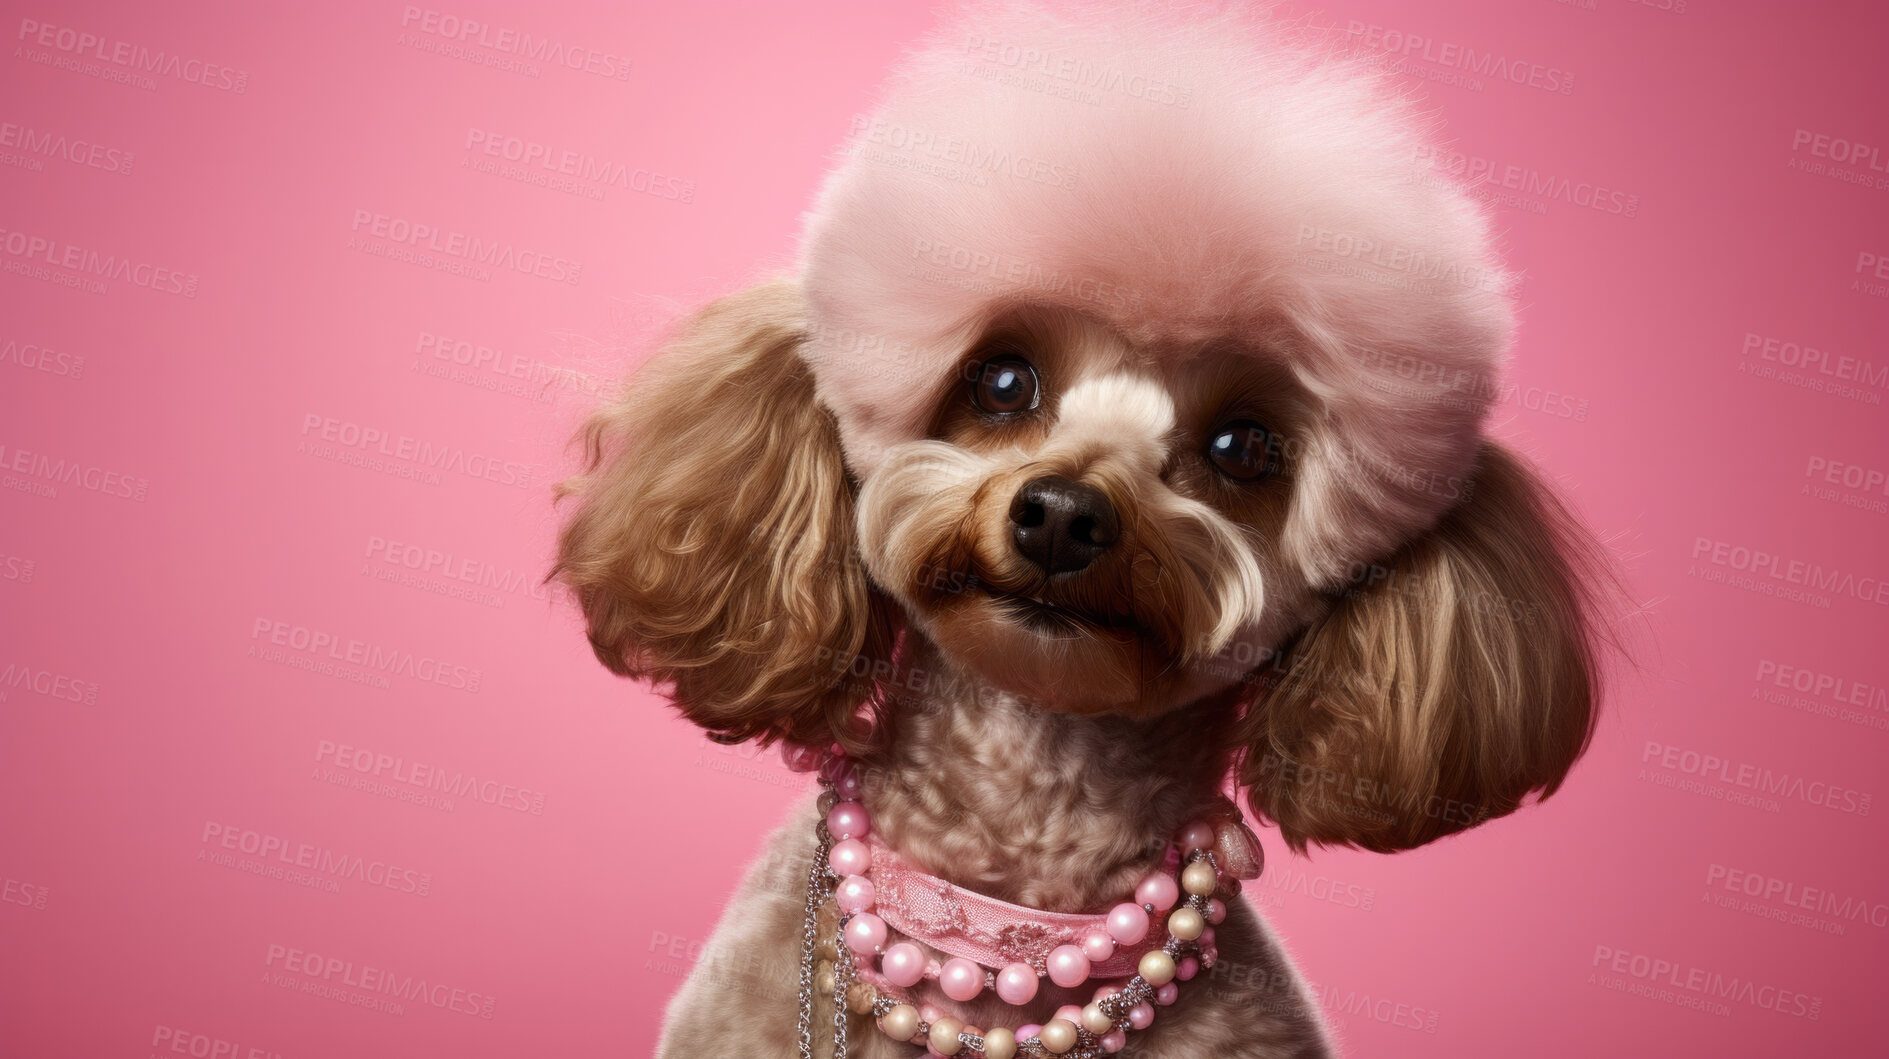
146 716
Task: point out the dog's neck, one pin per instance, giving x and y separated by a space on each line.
1050 810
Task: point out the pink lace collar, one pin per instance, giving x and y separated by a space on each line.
961 922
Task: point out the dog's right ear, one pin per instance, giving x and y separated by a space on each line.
1445 693
712 547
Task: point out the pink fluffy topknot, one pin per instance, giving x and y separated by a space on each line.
1187 178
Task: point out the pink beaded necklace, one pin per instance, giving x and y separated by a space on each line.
860 891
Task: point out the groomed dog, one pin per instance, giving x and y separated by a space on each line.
1118 435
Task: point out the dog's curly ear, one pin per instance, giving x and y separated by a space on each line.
712 547
1456 679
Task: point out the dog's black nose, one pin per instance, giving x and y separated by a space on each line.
1062 525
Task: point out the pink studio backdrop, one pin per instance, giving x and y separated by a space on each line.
252 434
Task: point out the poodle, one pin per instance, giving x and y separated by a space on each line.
1113 449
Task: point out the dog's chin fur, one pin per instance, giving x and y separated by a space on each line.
1065 665
1074 666
1078 671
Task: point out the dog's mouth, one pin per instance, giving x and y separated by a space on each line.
1050 618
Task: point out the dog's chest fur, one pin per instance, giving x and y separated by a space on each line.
1054 811
1050 810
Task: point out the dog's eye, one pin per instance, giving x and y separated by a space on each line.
1245 450
1005 384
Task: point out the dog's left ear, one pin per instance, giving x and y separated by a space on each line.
713 544
1458 678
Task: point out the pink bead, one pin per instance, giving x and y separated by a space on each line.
849 857
1216 911
903 964
843 774
1167 994
930 1012
1114 1041
855 893
1016 984
848 820
1187 969
864 933
1106 991
1068 966
961 979
1238 850
1098 946
1159 890
1206 938
1027 1031
1127 923
1197 835
1141 1016
800 758
848 785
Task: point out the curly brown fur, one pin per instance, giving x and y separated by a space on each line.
1461 677
712 543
